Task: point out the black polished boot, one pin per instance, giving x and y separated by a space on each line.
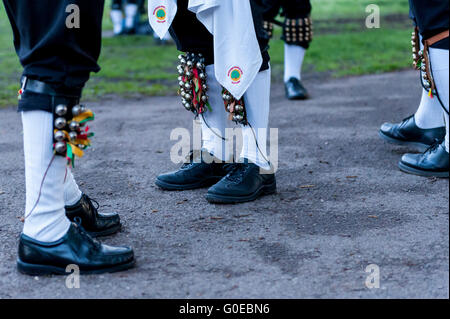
93 222
408 133
75 248
295 90
244 183
433 163
195 174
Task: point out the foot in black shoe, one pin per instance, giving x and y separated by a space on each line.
244 183
195 174
295 90
408 133
93 222
433 163
75 248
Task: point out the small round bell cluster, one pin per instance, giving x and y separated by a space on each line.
192 80
236 108
67 130
420 61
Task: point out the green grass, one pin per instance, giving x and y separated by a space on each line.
134 66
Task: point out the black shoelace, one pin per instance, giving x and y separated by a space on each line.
236 172
85 235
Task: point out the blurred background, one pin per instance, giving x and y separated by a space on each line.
136 65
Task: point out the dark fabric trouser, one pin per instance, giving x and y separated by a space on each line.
190 35
117 4
292 9
51 52
432 18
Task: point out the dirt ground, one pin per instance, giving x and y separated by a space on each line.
341 205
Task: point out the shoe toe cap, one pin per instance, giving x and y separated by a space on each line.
410 159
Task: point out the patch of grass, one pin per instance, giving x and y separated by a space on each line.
135 66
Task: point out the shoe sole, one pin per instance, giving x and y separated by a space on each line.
106 232
263 191
298 98
43 270
176 187
411 170
421 147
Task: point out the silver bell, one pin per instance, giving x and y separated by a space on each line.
61 110
76 110
239 108
188 97
189 63
60 123
60 147
205 98
74 126
205 87
426 84
200 65
59 136
73 136
203 76
421 53
188 86
181 83
423 68
189 74
239 118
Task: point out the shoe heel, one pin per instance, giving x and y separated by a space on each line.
38 270
270 189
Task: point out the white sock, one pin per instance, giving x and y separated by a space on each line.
117 20
257 102
440 66
131 10
48 221
430 113
293 61
217 119
72 193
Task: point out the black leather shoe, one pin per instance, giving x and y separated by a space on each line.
195 174
433 163
75 248
93 222
295 90
408 133
244 183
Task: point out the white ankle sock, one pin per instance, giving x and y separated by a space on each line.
217 120
293 61
440 66
117 20
257 102
430 113
130 14
72 193
47 222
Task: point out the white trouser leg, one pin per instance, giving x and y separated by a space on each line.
430 113
131 10
257 102
117 20
293 61
216 120
72 193
440 66
47 222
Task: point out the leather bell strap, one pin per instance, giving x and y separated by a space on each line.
437 38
